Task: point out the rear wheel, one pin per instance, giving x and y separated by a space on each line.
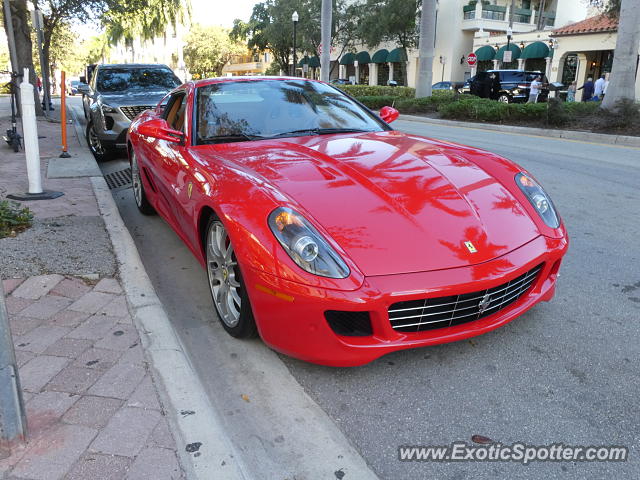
504 98
100 151
226 284
138 188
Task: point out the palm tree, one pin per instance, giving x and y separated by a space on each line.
426 48
623 73
325 27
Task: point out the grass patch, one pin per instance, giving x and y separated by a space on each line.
13 218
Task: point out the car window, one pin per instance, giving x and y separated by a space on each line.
175 110
266 108
511 76
122 79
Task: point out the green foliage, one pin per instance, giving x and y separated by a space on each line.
13 218
95 49
556 113
377 102
377 90
208 49
389 21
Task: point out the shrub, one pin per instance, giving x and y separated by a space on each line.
556 113
377 90
379 101
13 219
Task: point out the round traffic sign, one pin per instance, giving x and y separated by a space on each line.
472 59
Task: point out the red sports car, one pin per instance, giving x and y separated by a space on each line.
334 237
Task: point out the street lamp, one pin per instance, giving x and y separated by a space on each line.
509 35
294 18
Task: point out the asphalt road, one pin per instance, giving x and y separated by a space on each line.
566 372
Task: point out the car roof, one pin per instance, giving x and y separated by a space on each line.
132 65
209 81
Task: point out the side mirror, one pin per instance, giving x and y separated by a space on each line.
160 129
389 114
83 88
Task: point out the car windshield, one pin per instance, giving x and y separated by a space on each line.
122 79
259 109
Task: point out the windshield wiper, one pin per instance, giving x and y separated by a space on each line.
319 131
236 137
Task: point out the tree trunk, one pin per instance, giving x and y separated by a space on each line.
625 56
426 48
24 52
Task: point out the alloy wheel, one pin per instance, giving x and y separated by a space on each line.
222 269
94 142
136 181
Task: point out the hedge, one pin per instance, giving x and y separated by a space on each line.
377 91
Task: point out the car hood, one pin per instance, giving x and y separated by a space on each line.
134 97
393 202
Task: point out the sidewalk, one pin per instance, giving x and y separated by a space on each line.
92 408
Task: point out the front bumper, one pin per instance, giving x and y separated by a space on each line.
290 316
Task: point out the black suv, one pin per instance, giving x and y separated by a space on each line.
507 86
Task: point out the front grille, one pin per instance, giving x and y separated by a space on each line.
351 324
132 112
433 313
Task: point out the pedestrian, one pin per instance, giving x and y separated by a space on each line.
588 88
571 92
598 88
606 85
39 84
534 90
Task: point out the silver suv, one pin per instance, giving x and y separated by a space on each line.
116 94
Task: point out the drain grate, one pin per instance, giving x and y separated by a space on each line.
119 179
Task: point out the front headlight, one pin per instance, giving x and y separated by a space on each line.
305 245
539 199
106 108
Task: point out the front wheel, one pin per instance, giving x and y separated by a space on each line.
504 98
100 151
226 284
139 194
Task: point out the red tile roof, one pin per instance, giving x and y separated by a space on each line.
598 24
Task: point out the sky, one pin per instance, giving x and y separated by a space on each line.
221 12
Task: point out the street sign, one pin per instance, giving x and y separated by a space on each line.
507 56
472 59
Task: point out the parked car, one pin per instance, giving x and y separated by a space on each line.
113 98
341 81
334 237
72 89
446 86
507 86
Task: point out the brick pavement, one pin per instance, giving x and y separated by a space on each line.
92 407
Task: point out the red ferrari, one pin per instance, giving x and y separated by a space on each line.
334 237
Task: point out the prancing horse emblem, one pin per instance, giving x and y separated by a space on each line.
189 189
470 247
484 303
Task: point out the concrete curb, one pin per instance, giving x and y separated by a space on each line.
622 140
212 453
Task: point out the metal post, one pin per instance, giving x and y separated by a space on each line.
13 423
294 18
44 68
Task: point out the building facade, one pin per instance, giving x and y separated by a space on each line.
462 26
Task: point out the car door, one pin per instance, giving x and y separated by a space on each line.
176 170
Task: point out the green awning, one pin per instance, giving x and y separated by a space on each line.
347 59
303 61
314 62
397 55
513 47
485 53
363 57
536 50
380 56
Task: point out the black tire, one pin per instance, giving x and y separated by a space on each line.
246 325
137 185
100 151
